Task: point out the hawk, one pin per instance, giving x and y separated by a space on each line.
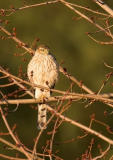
42 70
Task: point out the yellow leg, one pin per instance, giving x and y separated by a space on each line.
42 98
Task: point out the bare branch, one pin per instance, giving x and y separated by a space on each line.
103 153
88 9
86 18
13 136
81 85
39 4
75 96
103 5
23 45
65 98
11 158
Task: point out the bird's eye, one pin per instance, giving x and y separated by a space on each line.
42 49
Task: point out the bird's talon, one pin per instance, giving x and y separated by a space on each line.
41 99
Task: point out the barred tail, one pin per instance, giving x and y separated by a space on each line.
42 109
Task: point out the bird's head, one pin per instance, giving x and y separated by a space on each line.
42 49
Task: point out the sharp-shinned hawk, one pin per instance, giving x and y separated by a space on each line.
42 70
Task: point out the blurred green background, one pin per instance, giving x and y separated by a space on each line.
65 33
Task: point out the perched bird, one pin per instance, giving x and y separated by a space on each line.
42 70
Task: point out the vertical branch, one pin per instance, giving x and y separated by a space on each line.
13 136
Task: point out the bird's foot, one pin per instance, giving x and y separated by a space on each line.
42 99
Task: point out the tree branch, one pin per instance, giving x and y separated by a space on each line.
86 18
13 136
103 5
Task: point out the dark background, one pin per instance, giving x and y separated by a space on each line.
65 33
